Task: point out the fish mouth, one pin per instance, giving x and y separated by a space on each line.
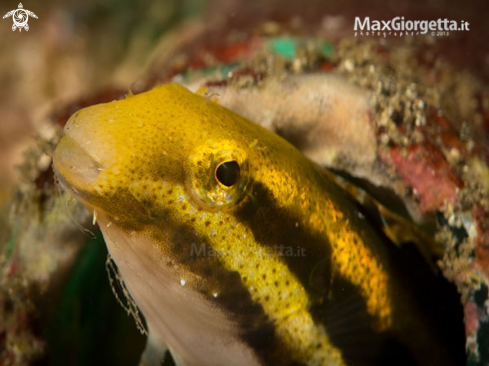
75 168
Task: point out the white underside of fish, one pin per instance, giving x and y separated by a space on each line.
196 332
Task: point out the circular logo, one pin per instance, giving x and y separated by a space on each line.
20 18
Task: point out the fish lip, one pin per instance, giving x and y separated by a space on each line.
75 169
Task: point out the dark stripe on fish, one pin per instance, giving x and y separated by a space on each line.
353 332
307 249
314 271
254 326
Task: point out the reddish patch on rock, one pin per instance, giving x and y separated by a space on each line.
239 51
225 54
425 170
481 220
327 66
448 134
472 316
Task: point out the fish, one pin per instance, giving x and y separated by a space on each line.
238 250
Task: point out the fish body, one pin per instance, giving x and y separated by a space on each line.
237 249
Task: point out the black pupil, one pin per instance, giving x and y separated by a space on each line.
228 173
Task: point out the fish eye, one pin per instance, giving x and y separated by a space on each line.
217 174
227 173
